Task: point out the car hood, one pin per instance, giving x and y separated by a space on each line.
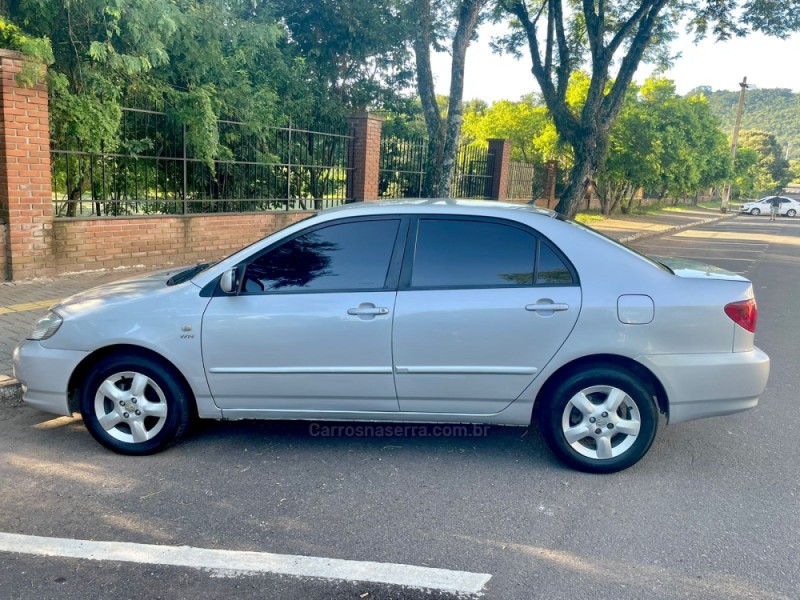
694 269
125 290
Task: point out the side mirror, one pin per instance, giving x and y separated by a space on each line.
229 282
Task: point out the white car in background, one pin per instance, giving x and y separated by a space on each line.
417 311
788 208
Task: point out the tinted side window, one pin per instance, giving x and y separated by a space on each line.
347 256
451 253
551 269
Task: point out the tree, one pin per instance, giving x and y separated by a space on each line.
663 143
769 173
359 48
432 18
526 124
633 158
610 34
794 171
745 167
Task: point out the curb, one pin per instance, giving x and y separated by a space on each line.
10 390
647 234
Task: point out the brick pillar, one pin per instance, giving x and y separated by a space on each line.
502 161
26 203
550 168
365 156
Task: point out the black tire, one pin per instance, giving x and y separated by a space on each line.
791 212
158 417
608 434
755 212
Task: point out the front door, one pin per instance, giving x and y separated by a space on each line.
311 328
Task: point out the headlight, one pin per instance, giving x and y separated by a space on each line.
46 326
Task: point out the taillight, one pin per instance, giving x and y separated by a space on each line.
744 313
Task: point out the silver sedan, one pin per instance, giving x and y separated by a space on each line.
418 311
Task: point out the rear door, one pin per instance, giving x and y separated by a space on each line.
483 306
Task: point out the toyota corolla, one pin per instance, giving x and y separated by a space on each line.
414 311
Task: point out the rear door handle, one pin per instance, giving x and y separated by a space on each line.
547 307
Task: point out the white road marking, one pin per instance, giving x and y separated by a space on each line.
232 562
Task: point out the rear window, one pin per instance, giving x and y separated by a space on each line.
617 243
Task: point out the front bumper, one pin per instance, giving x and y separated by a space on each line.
44 374
710 385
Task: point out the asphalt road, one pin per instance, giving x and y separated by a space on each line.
711 512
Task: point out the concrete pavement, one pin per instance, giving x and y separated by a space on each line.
22 303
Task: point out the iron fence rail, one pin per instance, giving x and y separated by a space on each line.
474 173
402 167
522 180
153 170
403 173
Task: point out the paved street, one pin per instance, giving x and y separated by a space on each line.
711 512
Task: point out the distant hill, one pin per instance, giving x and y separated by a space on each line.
776 111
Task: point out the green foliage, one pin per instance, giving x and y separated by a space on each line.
663 144
762 170
612 38
776 111
524 123
264 63
37 51
794 170
359 46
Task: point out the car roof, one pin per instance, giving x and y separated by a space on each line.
435 205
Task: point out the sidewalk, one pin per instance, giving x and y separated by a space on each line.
22 303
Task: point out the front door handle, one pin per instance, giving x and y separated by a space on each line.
547 307
367 309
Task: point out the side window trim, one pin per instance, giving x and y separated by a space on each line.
411 248
393 271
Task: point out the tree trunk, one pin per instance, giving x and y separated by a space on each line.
444 137
427 94
590 153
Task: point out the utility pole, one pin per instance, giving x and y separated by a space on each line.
727 196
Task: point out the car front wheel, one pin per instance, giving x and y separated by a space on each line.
755 212
600 420
134 405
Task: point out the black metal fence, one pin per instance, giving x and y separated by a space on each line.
153 170
474 173
402 167
403 173
522 181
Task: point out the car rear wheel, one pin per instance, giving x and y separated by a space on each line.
755 212
134 405
791 212
600 420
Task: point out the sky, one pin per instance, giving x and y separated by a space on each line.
766 62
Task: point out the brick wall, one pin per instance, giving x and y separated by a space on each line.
80 245
25 193
502 158
364 180
4 274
